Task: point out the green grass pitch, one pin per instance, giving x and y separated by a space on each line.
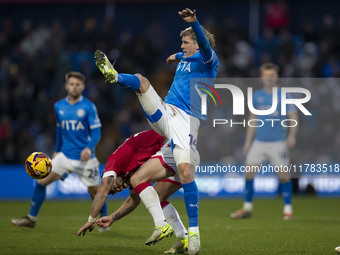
315 229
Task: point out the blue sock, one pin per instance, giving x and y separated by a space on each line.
103 211
129 80
191 202
287 192
38 198
249 192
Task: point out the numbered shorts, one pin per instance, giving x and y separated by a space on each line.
172 122
87 171
276 153
167 160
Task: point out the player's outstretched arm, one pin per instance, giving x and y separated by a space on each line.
127 207
204 46
188 15
87 226
97 204
171 59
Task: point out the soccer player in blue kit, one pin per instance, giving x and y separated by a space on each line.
77 134
174 118
271 143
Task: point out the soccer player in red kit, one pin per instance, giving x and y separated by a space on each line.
136 150
121 165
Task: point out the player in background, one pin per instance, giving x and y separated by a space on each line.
176 118
124 163
270 143
77 134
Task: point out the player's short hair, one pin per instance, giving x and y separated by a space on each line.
269 66
74 74
189 32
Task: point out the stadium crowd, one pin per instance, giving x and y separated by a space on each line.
35 57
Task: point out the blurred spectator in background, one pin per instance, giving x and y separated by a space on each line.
276 15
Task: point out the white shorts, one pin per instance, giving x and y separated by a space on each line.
175 124
276 153
167 160
87 171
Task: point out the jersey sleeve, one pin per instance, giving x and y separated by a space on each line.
58 140
94 123
203 42
179 55
95 137
93 117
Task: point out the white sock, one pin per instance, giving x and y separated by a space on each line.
248 206
193 229
172 217
288 209
148 100
151 201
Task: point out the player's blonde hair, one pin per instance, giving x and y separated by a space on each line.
74 74
269 66
189 32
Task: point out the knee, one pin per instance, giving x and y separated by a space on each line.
163 196
144 83
284 180
41 182
249 176
92 191
134 181
186 175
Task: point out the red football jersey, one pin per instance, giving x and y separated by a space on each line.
135 151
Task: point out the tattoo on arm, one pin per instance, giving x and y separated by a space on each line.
109 180
116 216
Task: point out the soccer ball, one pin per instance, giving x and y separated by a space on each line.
38 165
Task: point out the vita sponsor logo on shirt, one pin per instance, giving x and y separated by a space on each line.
239 102
184 66
73 125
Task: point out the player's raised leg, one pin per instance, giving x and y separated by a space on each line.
152 104
111 75
38 199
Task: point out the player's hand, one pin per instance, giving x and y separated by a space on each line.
188 15
85 154
171 59
291 141
105 221
246 148
87 226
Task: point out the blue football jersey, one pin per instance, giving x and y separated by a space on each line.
188 68
75 123
271 131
